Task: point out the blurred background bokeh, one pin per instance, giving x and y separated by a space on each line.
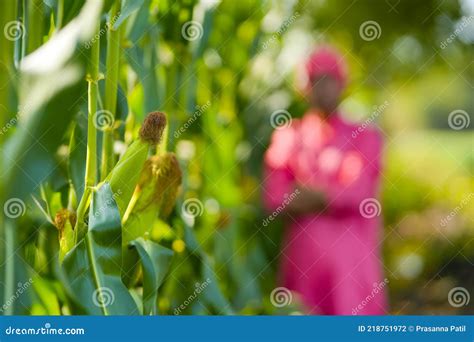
408 72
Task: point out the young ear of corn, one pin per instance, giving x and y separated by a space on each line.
65 220
155 195
157 187
124 176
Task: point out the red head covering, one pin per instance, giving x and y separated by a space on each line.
327 61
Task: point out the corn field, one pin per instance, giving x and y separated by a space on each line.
88 179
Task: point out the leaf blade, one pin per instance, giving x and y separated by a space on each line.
93 268
155 261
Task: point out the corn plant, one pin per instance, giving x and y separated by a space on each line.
89 183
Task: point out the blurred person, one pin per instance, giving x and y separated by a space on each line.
324 173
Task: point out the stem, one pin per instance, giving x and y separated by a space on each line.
60 15
72 198
80 229
10 242
91 159
7 14
35 24
93 79
107 153
23 41
111 84
7 231
92 261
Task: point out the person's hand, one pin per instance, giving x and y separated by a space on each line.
307 201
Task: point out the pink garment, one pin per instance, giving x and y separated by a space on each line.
331 259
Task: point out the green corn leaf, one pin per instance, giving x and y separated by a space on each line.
70 10
207 29
155 261
47 299
57 65
92 268
138 22
135 227
50 89
127 9
213 295
144 62
77 155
